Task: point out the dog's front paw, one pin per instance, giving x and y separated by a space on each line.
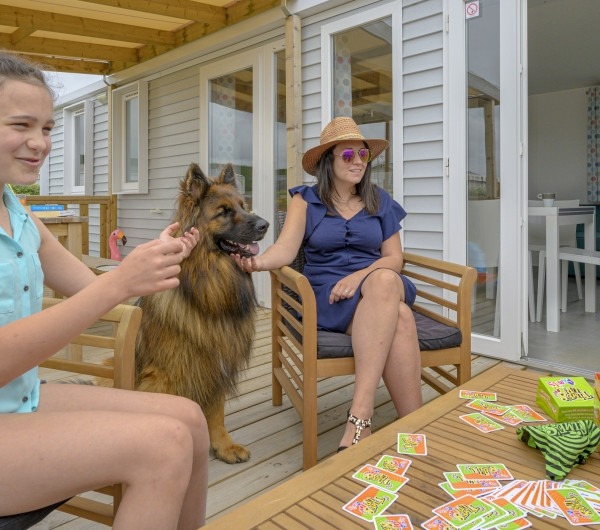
232 454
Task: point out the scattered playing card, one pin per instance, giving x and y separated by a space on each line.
381 478
392 522
437 523
475 471
526 413
481 422
475 394
412 444
573 506
509 417
464 511
486 406
395 464
369 503
457 481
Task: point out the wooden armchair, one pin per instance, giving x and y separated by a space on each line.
115 332
302 354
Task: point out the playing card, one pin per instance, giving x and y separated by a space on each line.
412 444
481 422
394 464
509 417
526 413
475 394
370 502
437 523
486 406
381 478
457 481
475 471
463 511
392 522
573 506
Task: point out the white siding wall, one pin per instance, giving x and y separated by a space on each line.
173 143
422 125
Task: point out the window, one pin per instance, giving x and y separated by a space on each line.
79 145
362 82
130 139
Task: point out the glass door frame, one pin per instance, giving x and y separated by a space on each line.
513 162
262 62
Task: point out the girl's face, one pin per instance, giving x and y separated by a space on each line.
349 172
26 119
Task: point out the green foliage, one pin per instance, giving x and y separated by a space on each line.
32 189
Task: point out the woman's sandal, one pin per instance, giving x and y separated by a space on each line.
359 425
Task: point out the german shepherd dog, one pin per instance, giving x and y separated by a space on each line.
195 339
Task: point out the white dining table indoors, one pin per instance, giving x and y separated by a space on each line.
557 216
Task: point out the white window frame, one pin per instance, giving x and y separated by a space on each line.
71 168
357 20
120 96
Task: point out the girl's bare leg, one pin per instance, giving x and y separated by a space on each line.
373 330
154 443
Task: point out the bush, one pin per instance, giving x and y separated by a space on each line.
32 189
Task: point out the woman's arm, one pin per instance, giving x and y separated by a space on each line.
285 249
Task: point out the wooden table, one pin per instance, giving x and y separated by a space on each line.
560 216
315 498
68 230
100 265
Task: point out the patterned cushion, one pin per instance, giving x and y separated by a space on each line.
433 335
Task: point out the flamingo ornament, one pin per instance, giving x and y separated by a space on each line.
112 244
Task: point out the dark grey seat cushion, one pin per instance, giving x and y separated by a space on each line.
433 335
22 521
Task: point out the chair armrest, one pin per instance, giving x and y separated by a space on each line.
456 280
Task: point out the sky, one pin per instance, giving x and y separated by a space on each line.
66 83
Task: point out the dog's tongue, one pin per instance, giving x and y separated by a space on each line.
252 248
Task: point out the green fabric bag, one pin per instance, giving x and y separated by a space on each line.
564 445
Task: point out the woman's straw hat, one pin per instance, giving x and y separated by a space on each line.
336 131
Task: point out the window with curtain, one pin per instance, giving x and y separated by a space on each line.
362 86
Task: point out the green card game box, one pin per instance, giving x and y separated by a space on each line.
566 398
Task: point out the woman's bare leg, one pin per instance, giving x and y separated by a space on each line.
402 373
373 330
121 436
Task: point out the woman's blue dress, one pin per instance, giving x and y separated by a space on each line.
335 247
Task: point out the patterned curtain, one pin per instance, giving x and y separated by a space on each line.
593 143
342 77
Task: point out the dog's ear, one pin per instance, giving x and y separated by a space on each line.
227 176
196 182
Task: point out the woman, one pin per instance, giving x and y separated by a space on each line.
60 440
350 229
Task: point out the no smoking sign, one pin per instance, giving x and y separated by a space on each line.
472 9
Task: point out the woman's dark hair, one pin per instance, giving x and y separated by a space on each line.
365 189
16 68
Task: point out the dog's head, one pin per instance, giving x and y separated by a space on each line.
218 210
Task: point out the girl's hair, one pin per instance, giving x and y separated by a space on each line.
365 189
16 68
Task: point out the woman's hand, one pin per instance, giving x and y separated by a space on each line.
345 288
188 240
248 265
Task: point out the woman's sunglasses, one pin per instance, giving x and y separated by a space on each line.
348 155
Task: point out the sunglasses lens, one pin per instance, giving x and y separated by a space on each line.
347 155
364 154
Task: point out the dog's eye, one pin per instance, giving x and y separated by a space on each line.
225 210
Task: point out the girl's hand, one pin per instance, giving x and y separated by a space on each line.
188 241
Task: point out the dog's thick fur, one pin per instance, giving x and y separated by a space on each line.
194 340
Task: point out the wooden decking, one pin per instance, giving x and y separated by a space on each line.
273 434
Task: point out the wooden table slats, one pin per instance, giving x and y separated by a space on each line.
314 499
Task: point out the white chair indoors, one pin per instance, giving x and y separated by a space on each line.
537 243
